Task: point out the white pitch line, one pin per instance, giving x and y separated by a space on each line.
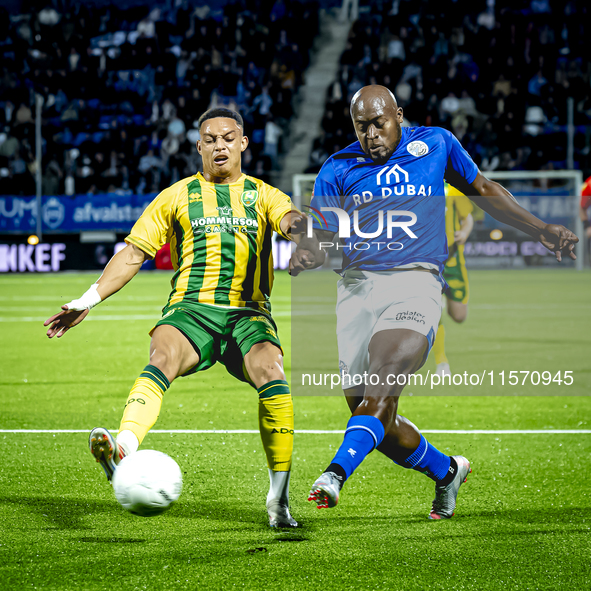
327 432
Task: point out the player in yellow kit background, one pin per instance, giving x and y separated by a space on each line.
458 225
219 224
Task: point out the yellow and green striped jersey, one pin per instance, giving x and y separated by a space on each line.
457 208
220 239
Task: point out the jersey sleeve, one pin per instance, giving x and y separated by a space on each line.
277 204
460 166
326 194
154 227
463 206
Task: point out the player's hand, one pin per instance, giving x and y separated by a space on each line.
559 240
64 320
299 222
301 260
460 237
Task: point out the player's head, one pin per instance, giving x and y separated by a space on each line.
222 142
376 117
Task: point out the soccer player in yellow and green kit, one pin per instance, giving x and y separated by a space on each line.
458 225
219 225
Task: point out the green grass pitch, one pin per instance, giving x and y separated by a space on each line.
523 520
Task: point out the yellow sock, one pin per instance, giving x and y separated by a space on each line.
276 424
144 401
439 345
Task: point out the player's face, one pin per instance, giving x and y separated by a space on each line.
221 145
377 125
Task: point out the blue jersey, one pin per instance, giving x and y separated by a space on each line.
391 214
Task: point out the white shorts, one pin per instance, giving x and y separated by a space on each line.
371 301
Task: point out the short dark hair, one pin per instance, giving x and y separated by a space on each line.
221 112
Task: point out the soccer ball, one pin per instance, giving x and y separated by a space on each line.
147 482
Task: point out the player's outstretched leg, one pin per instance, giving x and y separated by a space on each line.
444 503
142 407
405 446
276 428
105 450
392 352
448 472
140 414
363 434
171 354
264 365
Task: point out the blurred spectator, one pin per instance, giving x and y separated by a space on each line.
272 135
536 83
124 84
496 73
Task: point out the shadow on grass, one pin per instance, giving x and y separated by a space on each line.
112 540
238 517
540 515
288 536
500 520
61 513
220 510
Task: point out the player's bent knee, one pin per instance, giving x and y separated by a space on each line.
264 363
457 311
397 352
166 363
354 397
403 364
382 407
172 352
459 316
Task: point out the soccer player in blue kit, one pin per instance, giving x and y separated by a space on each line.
390 184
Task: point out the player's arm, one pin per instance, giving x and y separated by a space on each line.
466 226
284 218
120 270
462 173
501 205
310 252
147 236
293 225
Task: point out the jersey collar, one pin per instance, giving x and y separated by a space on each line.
402 142
240 179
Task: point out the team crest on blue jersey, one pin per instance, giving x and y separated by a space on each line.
249 198
418 148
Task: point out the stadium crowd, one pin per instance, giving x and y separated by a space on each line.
497 73
123 88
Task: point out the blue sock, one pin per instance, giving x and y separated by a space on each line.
428 460
363 434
